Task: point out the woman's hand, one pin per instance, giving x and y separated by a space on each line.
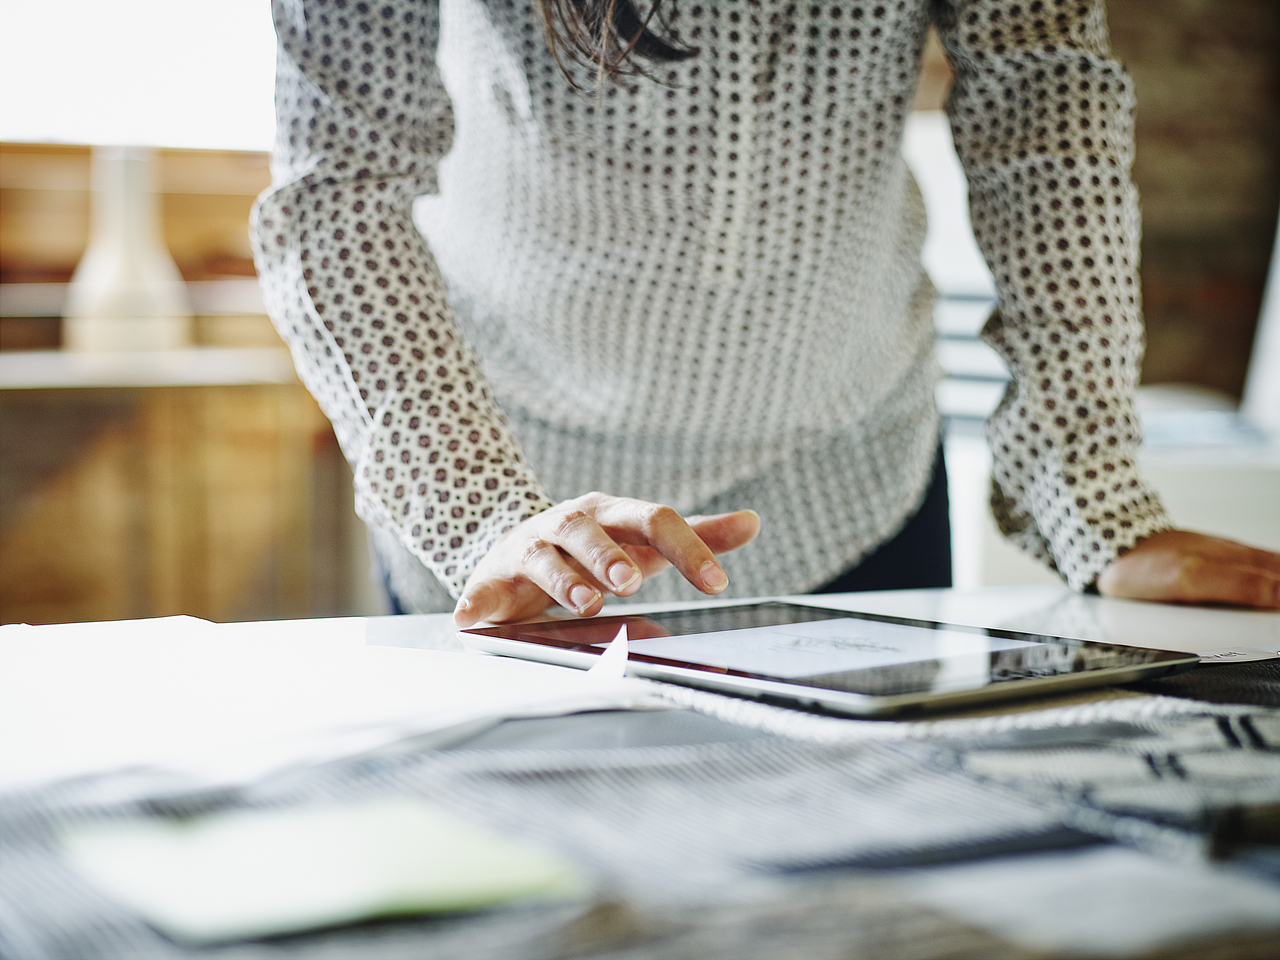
1183 567
579 549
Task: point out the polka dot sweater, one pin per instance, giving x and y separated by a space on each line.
701 287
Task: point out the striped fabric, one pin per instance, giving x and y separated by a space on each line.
689 839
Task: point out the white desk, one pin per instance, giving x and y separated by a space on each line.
1122 901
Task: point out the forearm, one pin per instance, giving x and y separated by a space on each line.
1042 121
357 295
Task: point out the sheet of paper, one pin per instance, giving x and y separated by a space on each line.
613 662
1101 902
226 703
252 873
821 646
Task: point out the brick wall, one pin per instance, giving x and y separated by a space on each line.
1207 74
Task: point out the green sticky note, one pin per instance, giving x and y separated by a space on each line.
244 874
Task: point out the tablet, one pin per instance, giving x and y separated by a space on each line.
859 664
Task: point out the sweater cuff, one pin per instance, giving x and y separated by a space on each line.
1079 526
457 569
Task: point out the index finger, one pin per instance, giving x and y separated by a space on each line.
640 523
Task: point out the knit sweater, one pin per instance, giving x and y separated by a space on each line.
702 286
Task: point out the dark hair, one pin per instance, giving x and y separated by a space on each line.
608 35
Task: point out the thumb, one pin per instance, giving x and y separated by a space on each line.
499 601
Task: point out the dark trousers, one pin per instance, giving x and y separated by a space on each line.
918 556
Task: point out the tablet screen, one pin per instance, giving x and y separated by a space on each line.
838 645
834 650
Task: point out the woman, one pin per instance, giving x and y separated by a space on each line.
520 255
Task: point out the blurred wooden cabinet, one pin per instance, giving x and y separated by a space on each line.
226 501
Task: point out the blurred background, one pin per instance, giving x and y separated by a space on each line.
196 476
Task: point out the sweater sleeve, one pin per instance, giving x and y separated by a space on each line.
1042 122
362 122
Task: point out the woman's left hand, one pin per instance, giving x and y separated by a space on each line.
1179 566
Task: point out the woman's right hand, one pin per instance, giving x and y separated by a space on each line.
575 552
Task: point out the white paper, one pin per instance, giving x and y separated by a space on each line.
612 664
1101 902
231 702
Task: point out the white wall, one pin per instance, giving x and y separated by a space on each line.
170 73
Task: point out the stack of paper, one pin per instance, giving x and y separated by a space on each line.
201 703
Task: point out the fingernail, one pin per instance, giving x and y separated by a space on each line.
464 613
622 575
581 597
713 578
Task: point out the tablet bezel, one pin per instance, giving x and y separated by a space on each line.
522 640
